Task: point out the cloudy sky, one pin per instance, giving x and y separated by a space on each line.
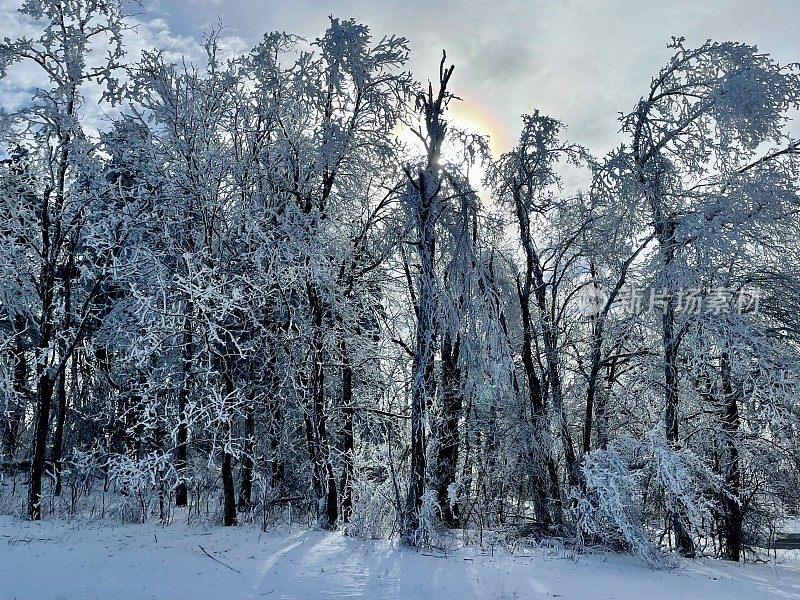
580 61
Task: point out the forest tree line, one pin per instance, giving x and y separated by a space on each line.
273 280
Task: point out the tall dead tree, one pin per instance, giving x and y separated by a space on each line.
423 196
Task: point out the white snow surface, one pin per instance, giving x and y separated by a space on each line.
55 560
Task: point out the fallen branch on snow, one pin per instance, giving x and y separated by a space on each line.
218 560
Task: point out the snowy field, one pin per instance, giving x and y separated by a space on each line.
55 560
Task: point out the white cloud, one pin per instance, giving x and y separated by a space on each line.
582 62
147 32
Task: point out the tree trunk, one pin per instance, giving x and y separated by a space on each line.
540 456
61 388
58 431
246 489
275 423
423 383
227 489
601 399
181 448
683 541
326 488
16 405
45 378
311 443
423 193
44 401
51 244
248 451
229 495
446 460
592 385
731 497
597 393
275 460
549 337
535 286
664 229
347 435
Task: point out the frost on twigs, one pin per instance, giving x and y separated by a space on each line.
373 516
430 533
610 511
617 480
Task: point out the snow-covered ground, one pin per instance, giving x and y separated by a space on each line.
50 560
